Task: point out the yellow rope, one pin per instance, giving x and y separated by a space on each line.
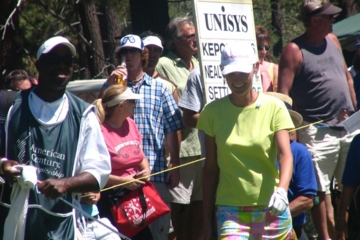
153 174
307 125
195 161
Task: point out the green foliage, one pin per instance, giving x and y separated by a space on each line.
180 8
38 23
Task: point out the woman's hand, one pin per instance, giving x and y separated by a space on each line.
112 79
133 185
143 173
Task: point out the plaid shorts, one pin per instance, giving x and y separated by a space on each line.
255 223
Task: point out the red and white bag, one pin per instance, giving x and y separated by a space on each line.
138 209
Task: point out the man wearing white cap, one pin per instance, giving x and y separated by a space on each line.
59 135
157 117
313 71
154 44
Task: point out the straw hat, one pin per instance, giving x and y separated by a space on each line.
295 116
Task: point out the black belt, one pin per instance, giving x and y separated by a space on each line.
92 219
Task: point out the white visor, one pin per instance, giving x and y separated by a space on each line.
126 95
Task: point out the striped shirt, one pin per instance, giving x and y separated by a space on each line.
156 114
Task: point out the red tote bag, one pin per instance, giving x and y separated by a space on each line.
138 209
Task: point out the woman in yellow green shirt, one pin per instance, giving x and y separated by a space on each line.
246 132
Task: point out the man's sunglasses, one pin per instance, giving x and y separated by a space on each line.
267 48
125 51
188 37
54 59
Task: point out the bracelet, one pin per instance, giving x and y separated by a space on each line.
105 85
1 161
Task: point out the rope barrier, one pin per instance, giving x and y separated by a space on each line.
153 174
307 125
195 161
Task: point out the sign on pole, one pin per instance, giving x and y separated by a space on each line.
217 23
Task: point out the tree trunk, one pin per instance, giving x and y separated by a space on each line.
276 25
348 9
149 15
10 56
110 28
91 29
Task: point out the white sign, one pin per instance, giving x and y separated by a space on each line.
218 23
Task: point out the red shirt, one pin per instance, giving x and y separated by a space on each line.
124 145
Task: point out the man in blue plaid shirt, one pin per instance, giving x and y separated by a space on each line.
157 117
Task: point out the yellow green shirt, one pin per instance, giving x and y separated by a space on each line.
246 148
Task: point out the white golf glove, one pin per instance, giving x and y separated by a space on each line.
278 201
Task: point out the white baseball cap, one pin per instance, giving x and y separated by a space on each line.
152 40
238 56
49 44
132 41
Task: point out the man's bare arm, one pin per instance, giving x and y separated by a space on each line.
190 117
289 65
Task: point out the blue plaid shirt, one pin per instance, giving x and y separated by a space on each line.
155 115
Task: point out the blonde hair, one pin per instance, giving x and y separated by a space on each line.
112 92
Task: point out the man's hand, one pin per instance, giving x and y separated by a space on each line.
52 188
343 114
112 79
173 178
9 171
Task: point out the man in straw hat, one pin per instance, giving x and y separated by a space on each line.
312 69
302 188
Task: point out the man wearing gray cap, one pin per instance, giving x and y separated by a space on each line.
313 71
58 134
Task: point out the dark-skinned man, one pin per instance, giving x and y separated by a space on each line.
58 134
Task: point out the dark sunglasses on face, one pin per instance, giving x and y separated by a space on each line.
329 17
267 48
129 50
188 37
54 59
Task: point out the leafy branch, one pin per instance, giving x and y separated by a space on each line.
9 19
63 20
